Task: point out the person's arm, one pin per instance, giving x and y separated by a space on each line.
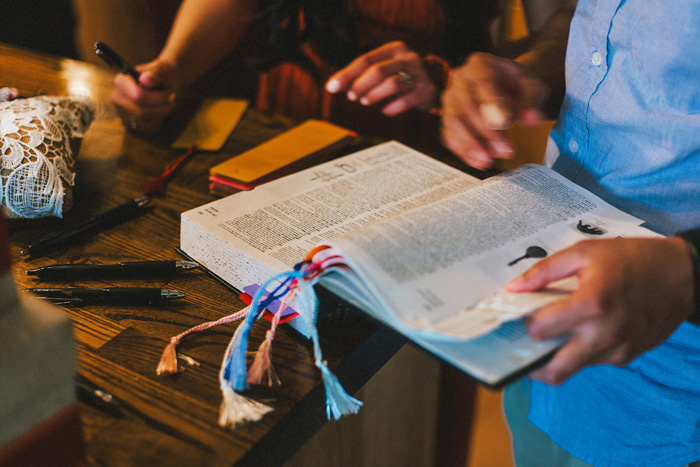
633 293
203 32
487 93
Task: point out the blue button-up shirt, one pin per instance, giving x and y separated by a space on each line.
629 131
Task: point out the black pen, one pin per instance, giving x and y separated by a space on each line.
115 60
98 223
107 295
127 269
93 395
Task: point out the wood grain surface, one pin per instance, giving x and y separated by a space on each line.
172 420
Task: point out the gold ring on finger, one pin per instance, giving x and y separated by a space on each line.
406 79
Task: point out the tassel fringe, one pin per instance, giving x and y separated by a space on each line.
292 287
168 361
338 402
236 408
262 371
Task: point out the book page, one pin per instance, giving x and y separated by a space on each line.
433 265
246 237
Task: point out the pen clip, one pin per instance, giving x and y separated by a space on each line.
62 300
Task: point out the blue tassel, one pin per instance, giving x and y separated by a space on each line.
233 370
338 402
234 367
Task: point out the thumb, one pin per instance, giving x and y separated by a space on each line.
532 94
156 74
565 263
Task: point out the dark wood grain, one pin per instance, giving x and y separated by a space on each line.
169 420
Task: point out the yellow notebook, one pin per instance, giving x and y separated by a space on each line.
310 138
212 124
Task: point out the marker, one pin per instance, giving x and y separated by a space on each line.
90 394
107 295
98 223
128 270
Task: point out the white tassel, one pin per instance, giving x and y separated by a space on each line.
236 408
338 402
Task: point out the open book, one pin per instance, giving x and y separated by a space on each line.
426 249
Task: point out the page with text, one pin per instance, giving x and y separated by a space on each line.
433 265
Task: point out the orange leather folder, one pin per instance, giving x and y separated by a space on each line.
283 154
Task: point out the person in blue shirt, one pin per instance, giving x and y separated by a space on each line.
625 387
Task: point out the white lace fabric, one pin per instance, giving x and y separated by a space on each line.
38 140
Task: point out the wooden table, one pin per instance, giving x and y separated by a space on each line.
172 420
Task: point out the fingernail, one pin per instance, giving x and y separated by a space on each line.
333 85
364 101
147 76
502 148
352 96
483 158
514 284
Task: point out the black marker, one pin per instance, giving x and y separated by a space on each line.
107 295
128 270
115 60
98 223
90 394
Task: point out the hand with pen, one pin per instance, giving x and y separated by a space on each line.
143 95
144 103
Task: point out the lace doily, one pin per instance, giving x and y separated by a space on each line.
39 138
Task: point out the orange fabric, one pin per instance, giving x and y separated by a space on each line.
289 90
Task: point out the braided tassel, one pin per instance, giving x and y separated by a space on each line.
168 361
262 371
235 364
338 402
236 408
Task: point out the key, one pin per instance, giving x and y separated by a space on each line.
531 252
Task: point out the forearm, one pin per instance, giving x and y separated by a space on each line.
203 32
546 57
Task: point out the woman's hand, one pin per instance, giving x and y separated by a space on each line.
143 106
392 75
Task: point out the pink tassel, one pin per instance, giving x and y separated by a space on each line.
262 371
168 361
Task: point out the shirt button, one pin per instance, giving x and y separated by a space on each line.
573 146
597 59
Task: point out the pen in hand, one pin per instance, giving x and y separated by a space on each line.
98 223
107 295
128 270
115 60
